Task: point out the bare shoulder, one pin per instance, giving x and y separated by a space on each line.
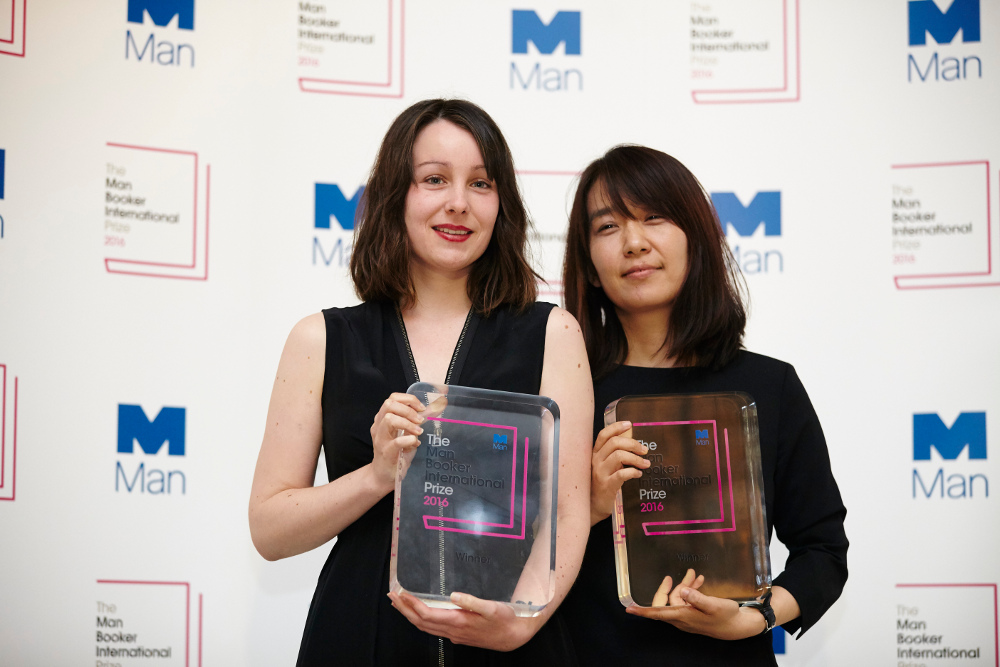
562 329
305 349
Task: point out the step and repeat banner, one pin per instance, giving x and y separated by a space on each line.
178 181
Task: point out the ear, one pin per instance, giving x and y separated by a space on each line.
593 279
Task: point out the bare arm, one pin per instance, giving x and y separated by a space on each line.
566 380
288 515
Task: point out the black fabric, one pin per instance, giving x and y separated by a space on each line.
803 506
351 621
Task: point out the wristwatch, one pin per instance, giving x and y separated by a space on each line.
763 605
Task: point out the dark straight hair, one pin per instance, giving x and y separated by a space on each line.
380 261
708 317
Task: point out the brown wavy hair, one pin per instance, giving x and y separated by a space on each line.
380 261
709 317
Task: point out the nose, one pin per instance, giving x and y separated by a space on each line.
634 241
457 201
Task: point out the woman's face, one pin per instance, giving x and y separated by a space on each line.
640 258
451 206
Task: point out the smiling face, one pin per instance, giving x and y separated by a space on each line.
640 258
452 205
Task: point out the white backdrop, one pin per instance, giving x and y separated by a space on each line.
158 239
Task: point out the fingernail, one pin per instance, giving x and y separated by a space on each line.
627 424
421 419
647 463
645 449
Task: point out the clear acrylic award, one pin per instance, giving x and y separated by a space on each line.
475 502
700 504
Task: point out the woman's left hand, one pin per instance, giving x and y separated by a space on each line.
692 611
481 623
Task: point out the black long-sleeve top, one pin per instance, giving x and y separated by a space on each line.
802 502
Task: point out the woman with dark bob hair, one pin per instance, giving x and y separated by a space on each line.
650 277
447 297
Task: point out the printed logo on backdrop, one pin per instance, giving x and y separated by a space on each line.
332 243
170 26
350 48
946 624
549 196
936 53
156 203
3 178
139 621
13 25
753 230
8 434
948 460
743 52
942 229
545 53
151 452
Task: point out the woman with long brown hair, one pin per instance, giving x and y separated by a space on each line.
447 297
650 277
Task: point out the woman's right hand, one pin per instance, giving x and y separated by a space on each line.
617 457
395 428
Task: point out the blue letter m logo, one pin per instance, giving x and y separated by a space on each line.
163 11
701 435
925 17
765 208
133 425
331 201
564 27
929 431
499 439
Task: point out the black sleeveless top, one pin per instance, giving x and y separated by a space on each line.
351 620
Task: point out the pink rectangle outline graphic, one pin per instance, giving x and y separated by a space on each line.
13 31
187 606
784 88
13 453
513 477
989 232
996 637
13 8
194 243
3 429
402 79
729 473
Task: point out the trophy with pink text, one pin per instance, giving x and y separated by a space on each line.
700 504
475 502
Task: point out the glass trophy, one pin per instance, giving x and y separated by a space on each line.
475 502
700 504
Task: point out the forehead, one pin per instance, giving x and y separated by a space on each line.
443 141
599 202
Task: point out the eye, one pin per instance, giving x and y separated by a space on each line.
655 217
482 184
604 226
434 180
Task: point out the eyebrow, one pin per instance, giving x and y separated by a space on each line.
599 212
447 164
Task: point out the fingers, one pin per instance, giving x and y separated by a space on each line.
485 608
611 431
677 598
407 406
660 598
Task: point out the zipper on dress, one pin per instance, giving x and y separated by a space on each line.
447 380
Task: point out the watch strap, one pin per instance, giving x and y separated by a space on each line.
763 605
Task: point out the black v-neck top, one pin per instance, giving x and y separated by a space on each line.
802 504
351 621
